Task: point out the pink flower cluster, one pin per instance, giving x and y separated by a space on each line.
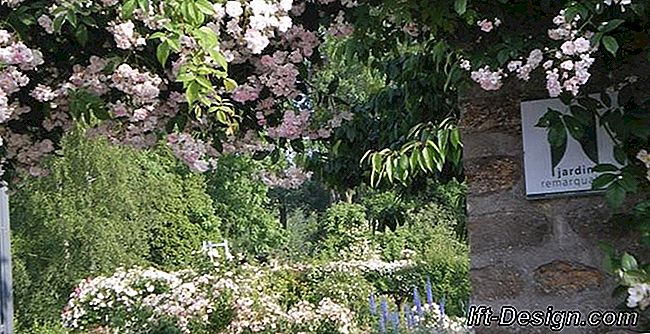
125 35
573 60
194 152
291 178
143 87
487 78
487 25
566 70
15 59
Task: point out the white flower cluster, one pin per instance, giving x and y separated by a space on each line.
639 296
432 320
123 290
141 297
264 17
486 77
622 3
125 35
370 265
644 156
141 86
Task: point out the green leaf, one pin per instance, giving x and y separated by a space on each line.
71 16
203 81
460 6
219 58
557 137
81 35
207 38
205 7
603 181
185 77
158 35
174 44
192 92
575 128
615 195
162 53
427 155
404 162
583 115
144 5
389 169
455 138
128 7
628 262
610 44
230 84
611 25
602 168
619 155
376 162
413 161
57 23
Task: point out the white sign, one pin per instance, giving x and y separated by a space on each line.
545 172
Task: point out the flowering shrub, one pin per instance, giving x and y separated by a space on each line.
158 70
139 300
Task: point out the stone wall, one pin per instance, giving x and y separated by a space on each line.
528 254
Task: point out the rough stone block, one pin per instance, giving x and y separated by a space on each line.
505 230
479 145
565 278
492 174
499 114
496 282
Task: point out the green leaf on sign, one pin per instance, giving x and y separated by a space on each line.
605 168
557 137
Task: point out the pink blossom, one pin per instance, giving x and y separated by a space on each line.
485 25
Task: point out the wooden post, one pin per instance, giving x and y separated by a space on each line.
6 295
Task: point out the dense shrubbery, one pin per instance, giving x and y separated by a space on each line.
103 207
107 207
241 200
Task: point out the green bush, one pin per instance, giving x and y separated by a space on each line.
102 207
345 233
440 255
48 328
249 219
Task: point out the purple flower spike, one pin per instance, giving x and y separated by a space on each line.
394 318
384 315
429 292
373 305
410 322
417 302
